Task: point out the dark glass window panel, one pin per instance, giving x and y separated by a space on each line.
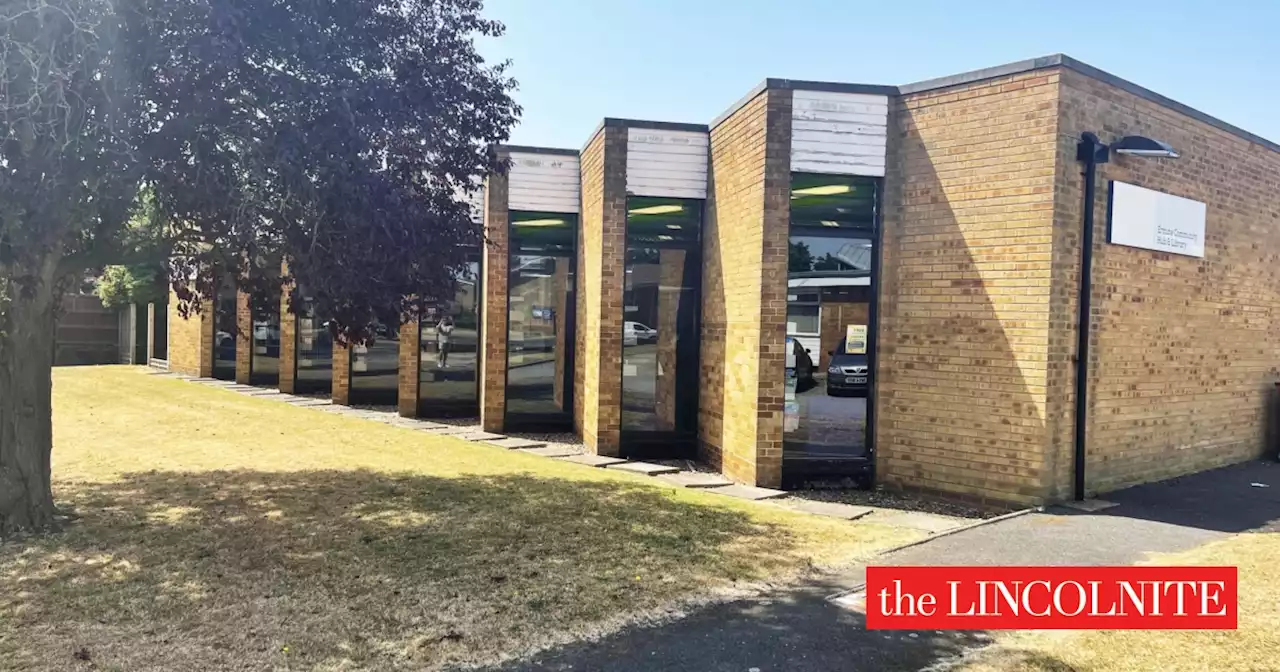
160 332
663 220
140 327
224 333
264 362
660 340
315 352
660 316
375 367
829 264
548 232
448 384
540 317
833 201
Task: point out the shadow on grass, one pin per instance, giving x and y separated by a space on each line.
214 570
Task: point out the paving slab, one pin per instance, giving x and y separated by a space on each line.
305 402
405 423
1089 505
515 444
591 460
831 509
481 436
695 479
918 520
646 468
552 451
424 424
446 430
747 492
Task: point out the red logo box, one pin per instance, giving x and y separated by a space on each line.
1051 598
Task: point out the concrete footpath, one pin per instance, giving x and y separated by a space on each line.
803 630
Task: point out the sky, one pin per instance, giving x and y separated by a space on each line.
579 61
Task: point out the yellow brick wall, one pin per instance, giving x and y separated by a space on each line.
190 340
288 340
744 292
244 336
1184 350
586 406
493 331
966 281
600 265
409 369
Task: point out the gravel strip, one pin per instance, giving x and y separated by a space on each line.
891 499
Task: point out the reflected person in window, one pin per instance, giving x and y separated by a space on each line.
444 331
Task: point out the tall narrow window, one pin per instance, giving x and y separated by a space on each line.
450 342
160 331
315 352
540 319
264 357
827 348
375 367
225 330
660 325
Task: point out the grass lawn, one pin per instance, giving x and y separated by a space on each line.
1255 646
218 531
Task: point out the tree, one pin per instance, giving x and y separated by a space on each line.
146 279
336 134
799 258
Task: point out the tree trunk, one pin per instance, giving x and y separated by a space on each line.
27 326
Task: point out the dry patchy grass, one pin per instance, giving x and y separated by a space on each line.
219 531
1254 646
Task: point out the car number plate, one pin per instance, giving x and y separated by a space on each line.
858 379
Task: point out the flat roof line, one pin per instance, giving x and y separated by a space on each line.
537 150
1056 60
655 125
804 85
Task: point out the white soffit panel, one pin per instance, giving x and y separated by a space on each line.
542 182
839 133
667 163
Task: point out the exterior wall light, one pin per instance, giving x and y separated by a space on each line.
1091 151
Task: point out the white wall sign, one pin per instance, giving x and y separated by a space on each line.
1153 220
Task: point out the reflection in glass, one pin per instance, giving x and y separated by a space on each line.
140 328
375 367
660 312
160 331
829 261
264 357
539 319
315 352
450 337
224 332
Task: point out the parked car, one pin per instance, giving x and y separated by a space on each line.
847 374
799 361
634 333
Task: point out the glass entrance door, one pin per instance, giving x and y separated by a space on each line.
540 321
829 340
660 327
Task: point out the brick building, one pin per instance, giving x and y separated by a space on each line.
832 277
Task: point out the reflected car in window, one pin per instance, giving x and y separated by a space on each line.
634 333
848 374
